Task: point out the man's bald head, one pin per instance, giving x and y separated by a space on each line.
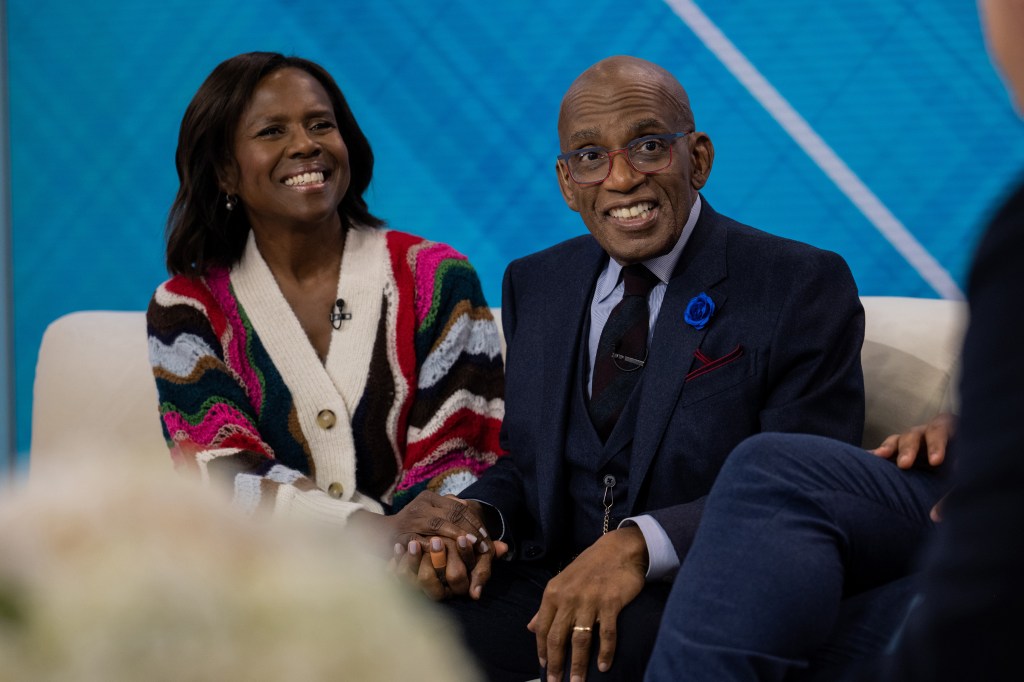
609 74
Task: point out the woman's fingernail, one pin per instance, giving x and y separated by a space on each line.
472 538
476 593
483 531
603 666
398 549
484 547
462 542
435 544
414 548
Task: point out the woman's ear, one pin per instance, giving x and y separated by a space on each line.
702 157
227 177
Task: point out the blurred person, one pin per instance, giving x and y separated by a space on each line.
125 576
969 621
306 358
756 608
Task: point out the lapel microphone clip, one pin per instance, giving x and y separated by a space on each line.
338 314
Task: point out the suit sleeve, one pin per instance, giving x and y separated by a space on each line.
814 383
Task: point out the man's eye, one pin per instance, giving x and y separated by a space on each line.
590 155
650 146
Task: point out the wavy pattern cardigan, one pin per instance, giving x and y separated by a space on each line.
409 396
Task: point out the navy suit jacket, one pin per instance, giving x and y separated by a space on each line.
789 310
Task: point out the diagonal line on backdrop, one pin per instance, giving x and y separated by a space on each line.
890 227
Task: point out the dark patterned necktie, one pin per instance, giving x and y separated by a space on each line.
622 350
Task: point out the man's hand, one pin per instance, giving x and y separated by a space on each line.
930 438
593 589
427 515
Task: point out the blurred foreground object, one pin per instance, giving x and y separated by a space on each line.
142 576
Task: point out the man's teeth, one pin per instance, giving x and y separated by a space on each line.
305 179
640 209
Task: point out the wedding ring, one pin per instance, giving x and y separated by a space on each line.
581 628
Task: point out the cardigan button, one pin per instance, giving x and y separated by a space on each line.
326 419
336 490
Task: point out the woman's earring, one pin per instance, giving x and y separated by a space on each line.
230 201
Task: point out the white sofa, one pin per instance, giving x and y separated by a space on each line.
95 395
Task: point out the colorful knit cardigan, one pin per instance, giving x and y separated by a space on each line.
409 397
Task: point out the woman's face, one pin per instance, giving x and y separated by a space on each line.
291 163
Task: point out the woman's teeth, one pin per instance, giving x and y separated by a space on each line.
305 179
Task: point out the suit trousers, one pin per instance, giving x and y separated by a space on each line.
800 562
494 628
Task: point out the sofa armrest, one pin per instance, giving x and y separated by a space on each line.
94 394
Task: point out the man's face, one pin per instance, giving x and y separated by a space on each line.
633 216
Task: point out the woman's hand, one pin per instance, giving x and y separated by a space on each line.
442 568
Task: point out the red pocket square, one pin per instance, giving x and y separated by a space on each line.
709 364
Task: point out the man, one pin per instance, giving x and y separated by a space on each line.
615 437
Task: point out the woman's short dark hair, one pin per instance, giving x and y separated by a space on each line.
201 232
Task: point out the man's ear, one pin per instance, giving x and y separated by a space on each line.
566 184
702 156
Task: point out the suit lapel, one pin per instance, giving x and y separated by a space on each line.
702 268
567 309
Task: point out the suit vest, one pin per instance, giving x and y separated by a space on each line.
593 465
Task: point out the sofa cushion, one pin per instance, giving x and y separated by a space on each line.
911 358
95 395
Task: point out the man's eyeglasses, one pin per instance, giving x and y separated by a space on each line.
647 154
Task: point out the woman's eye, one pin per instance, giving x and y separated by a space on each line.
269 131
323 126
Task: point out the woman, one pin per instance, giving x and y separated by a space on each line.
320 365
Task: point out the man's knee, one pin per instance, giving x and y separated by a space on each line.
782 461
766 452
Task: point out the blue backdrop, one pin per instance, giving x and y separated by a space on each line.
875 128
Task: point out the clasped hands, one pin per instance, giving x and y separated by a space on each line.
441 544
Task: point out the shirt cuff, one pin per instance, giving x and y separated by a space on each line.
662 558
